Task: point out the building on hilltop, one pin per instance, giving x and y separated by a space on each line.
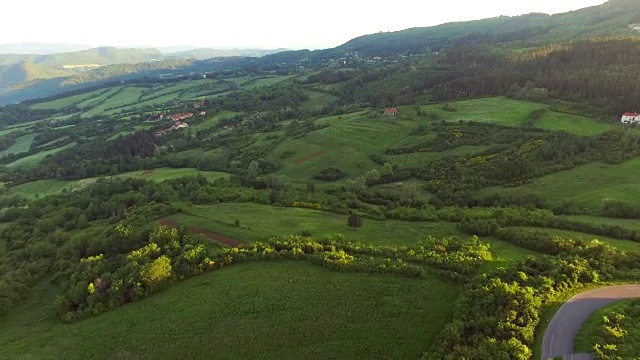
391 112
630 118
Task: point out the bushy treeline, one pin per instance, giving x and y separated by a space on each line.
454 258
516 155
615 337
96 283
594 71
497 314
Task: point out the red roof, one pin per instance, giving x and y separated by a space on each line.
630 114
391 111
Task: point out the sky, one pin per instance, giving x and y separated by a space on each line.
293 24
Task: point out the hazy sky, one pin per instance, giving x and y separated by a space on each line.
242 23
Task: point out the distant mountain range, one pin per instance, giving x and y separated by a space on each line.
39 48
504 34
208 53
17 68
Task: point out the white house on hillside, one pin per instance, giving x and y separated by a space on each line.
630 118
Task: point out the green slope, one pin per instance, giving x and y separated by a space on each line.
609 19
27 71
279 310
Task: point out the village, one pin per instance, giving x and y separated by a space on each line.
178 119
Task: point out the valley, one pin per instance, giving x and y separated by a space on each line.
435 193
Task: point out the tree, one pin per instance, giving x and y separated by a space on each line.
372 176
354 221
357 185
157 271
311 187
254 169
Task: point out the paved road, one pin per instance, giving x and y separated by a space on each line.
565 324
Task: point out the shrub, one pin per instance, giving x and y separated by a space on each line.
330 174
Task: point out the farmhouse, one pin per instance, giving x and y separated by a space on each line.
630 118
180 116
391 112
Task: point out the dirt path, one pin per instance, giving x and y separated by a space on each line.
148 172
565 324
309 157
219 238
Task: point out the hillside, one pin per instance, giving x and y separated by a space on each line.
609 19
477 208
97 56
208 53
26 72
38 48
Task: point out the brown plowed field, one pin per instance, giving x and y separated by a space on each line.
219 238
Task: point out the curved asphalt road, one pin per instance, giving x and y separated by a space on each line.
565 324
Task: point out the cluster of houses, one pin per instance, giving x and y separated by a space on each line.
178 122
630 118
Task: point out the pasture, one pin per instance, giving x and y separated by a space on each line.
210 121
511 112
586 187
37 157
41 188
345 144
266 310
626 245
258 222
68 101
126 96
22 144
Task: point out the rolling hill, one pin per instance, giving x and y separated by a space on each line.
609 19
39 48
26 71
208 53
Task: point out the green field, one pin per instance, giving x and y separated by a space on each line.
319 99
37 157
49 187
67 101
626 245
632 224
258 222
505 111
94 101
346 143
23 143
586 186
210 121
127 96
162 174
278 310
11 129
592 330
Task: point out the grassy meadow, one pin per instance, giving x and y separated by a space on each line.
258 222
68 101
346 144
37 157
265 310
23 143
511 112
586 186
41 188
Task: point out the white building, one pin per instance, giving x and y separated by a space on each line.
630 118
